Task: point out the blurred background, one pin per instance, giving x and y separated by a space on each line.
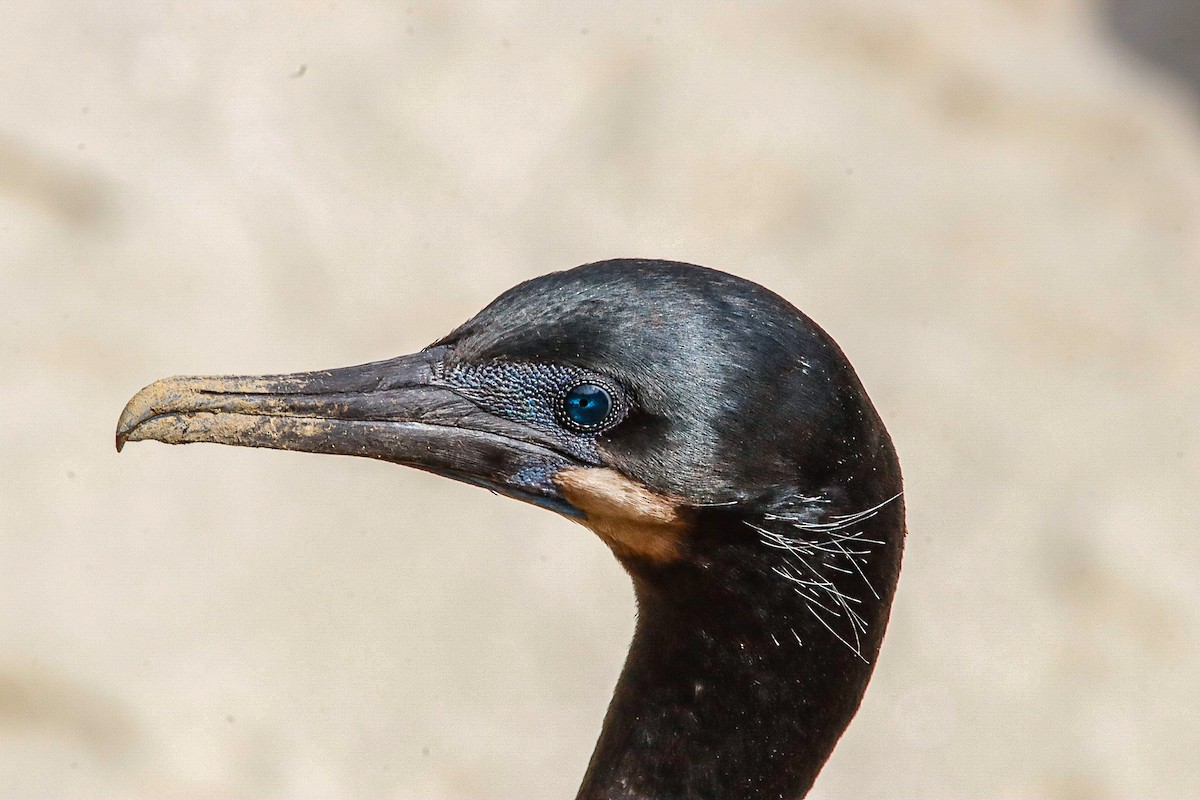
994 206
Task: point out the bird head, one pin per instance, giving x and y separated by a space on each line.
712 435
634 396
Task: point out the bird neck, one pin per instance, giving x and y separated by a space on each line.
733 687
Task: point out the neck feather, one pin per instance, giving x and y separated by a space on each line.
745 666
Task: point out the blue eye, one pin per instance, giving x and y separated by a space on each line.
587 406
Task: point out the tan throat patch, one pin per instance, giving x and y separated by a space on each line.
632 520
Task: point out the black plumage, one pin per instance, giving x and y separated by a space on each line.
716 438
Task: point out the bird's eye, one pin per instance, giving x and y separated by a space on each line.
587 406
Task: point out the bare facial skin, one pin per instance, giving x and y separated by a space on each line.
632 520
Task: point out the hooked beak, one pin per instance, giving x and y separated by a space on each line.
394 410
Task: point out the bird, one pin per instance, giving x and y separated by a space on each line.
712 435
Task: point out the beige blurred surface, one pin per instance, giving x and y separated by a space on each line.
992 207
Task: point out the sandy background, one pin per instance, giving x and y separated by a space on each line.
994 206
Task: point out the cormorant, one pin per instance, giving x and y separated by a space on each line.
713 436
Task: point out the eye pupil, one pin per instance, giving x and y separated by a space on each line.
587 405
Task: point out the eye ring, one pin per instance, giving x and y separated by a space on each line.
588 406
